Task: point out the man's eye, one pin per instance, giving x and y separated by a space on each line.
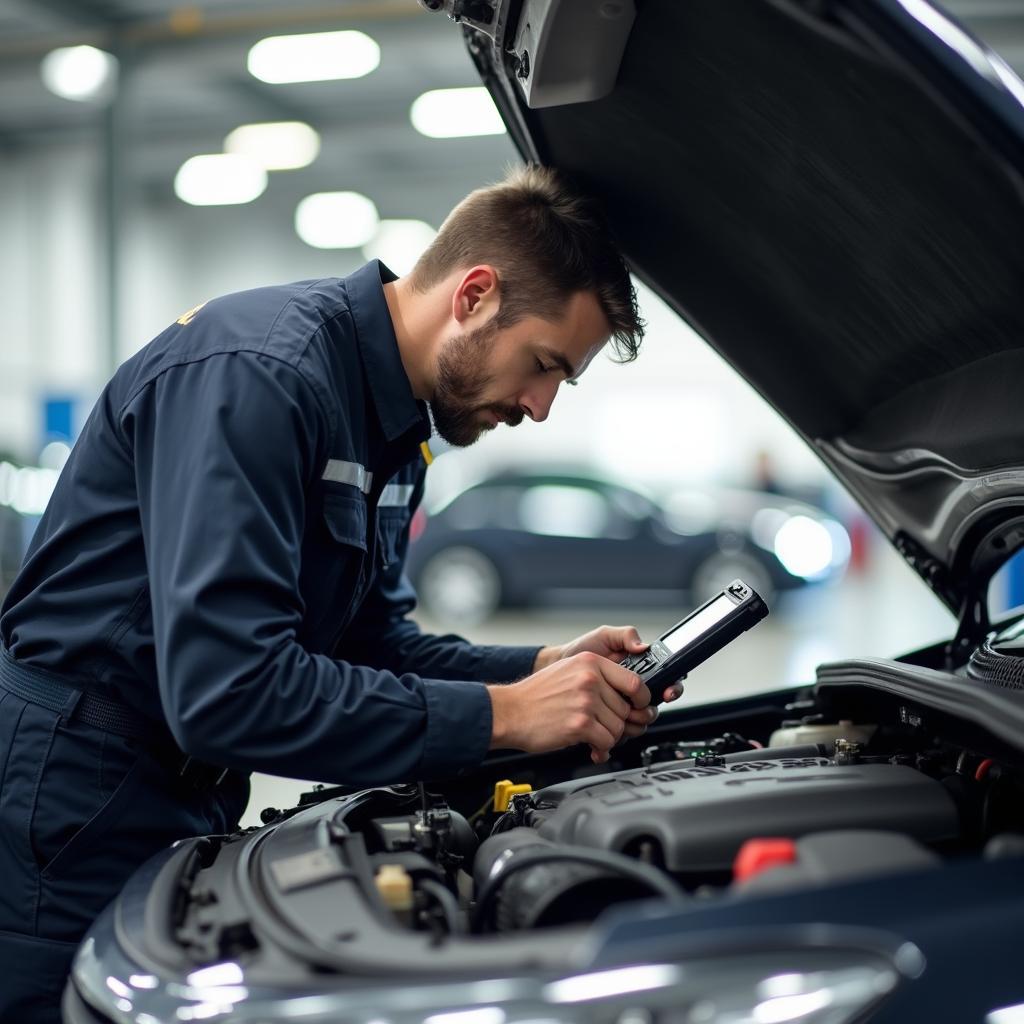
541 368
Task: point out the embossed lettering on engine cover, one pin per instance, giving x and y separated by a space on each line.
697 818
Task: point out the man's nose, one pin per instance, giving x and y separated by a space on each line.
536 402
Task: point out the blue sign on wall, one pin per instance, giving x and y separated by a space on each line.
58 420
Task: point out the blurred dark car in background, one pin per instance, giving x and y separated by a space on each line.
521 539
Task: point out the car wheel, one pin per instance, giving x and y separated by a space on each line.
461 585
718 570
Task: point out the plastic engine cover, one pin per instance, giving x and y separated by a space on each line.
701 816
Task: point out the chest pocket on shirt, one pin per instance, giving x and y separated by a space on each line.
346 519
345 515
393 521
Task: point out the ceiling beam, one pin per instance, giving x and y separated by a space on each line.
73 13
171 28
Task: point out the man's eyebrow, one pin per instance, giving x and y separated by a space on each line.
561 362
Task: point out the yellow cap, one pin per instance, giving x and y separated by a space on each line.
394 884
428 457
505 790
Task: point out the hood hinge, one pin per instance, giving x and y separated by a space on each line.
972 604
972 628
479 14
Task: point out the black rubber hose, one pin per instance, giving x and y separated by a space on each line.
445 900
637 871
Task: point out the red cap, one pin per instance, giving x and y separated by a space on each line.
757 855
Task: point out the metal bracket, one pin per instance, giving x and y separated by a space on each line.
971 630
478 14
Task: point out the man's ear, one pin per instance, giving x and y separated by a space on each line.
476 293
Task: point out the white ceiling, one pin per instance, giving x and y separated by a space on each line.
183 91
186 87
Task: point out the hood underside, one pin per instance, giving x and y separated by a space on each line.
831 194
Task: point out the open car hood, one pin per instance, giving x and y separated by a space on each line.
831 193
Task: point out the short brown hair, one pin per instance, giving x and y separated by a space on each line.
547 241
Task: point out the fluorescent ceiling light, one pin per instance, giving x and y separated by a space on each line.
313 57
399 243
454 113
79 72
219 179
336 220
276 145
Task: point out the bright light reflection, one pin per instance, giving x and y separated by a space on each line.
143 981
275 145
950 33
585 987
1006 1015
78 72
118 987
336 220
456 113
398 244
313 57
227 973
219 179
482 1015
804 547
781 985
775 1011
1009 78
224 993
203 1011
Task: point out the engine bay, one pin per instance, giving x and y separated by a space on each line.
867 775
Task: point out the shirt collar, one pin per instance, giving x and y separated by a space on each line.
397 408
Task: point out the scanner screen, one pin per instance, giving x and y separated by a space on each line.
692 628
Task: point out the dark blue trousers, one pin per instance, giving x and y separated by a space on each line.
80 809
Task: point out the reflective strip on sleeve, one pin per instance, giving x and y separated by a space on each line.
395 496
352 473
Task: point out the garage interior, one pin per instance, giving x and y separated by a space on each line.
99 252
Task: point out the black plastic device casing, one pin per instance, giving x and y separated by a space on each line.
748 610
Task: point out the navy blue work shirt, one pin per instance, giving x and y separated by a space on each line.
224 549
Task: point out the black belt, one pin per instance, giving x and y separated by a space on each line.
50 691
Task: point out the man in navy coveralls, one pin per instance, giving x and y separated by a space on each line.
217 584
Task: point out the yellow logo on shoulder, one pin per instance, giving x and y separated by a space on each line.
186 318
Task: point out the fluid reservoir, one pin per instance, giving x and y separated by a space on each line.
822 732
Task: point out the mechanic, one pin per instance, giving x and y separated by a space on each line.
217 584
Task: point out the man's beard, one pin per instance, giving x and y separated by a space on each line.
462 378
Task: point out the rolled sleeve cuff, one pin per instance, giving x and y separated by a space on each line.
459 723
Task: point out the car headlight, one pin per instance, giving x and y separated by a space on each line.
804 547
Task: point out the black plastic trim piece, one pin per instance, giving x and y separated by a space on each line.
999 712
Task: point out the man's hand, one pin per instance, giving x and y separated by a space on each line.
583 698
614 643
